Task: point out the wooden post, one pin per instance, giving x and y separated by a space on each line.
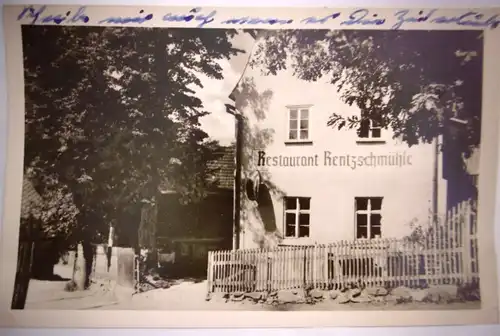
109 251
304 279
269 272
465 220
210 266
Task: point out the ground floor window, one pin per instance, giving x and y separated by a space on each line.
297 216
368 217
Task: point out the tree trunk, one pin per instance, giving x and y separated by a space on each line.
147 233
88 256
24 264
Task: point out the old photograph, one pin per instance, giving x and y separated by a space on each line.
250 169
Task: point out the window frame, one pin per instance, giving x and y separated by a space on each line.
297 212
368 212
299 109
370 138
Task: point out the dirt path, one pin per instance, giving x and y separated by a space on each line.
191 296
186 296
50 294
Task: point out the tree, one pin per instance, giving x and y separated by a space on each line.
111 112
415 82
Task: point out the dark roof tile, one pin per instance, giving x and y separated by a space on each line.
224 168
31 199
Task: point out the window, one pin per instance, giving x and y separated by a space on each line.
298 124
370 129
368 217
297 216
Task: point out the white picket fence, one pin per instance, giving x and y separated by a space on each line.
445 254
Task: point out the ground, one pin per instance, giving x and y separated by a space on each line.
183 295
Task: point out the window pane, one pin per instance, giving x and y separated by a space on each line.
304 203
361 220
361 232
304 134
290 218
375 121
376 232
364 128
304 124
376 132
292 135
293 114
304 114
293 124
290 203
361 203
290 231
304 219
375 219
376 203
304 231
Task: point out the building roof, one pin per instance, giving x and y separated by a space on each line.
224 167
31 200
249 47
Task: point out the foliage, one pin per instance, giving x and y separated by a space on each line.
111 114
440 226
414 82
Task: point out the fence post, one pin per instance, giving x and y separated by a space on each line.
304 280
466 242
269 272
209 274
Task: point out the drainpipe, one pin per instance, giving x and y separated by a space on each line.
237 175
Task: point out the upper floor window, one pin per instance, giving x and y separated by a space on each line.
368 211
370 130
298 124
297 216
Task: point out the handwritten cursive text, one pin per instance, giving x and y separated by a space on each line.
125 19
313 20
36 16
363 17
473 19
403 17
257 20
202 19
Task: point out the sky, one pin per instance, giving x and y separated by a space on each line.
219 124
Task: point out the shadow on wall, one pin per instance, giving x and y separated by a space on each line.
266 209
258 215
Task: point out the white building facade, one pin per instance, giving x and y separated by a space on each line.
321 184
